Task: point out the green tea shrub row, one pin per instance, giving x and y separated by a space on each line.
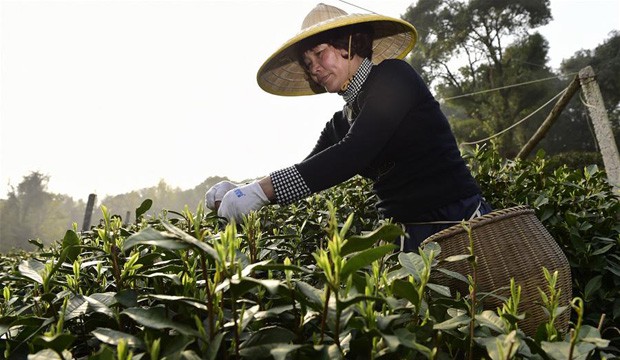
317 279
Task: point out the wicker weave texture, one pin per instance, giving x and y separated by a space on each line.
508 243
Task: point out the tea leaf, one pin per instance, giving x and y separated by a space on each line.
491 320
501 347
150 236
32 269
269 335
239 287
173 277
282 267
408 339
214 346
311 293
248 316
49 354
144 207
76 307
440 289
406 290
58 342
154 317
8 322
281 352
453 323
201 305
81 305
399 273
345 303
174 347
413 263
107 298
69 243
559 350
365 258
190 240
36 242
272 312
592 335
387 232
603 250
593 286
384 323
112 337
245 273
453 274
455 258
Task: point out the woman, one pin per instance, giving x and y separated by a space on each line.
390 130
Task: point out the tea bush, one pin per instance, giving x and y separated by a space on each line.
580 210
318 279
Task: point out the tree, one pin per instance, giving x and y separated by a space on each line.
23 213
30 212
495 48
9 229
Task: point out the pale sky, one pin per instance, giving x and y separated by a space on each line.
112 96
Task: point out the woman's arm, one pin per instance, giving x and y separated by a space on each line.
267 186
334 131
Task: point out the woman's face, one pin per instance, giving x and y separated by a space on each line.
327 66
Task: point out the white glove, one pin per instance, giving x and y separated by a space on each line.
217 192
242 200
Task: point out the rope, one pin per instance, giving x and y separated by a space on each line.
589 122
357 6
584 102
506 87
518 122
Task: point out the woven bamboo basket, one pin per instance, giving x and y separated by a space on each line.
508 243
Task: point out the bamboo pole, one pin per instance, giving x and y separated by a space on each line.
551 118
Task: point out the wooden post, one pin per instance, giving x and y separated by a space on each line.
551 118
89 211
602 127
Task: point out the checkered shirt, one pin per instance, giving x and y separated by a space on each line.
289 186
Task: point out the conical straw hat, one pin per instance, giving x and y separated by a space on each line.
281 74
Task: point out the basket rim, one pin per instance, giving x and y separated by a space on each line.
493 216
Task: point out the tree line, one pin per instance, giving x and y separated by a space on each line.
31 214
498 47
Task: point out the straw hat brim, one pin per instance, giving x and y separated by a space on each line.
281 74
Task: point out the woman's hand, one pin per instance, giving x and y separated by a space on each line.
241 201
216 193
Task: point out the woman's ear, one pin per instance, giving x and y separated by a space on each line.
344 53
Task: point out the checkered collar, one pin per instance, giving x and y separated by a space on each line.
358 80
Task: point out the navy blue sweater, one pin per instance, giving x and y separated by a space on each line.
400 139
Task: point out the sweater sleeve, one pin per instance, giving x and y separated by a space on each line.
288 184
334 131
386 98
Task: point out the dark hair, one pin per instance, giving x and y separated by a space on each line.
361 41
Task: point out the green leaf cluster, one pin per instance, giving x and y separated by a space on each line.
317 279
581 210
